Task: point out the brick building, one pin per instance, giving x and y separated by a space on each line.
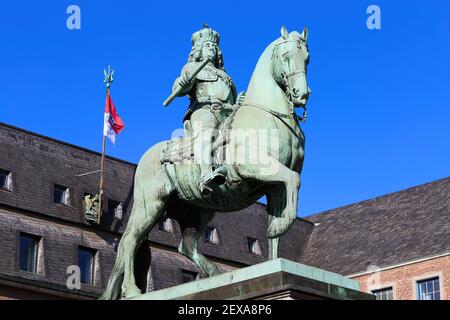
397 246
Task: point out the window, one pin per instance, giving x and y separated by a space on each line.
5 180
253 246
115 208
28 252
165 224
188 276
61 194
211 235
384 294
429 289
86 263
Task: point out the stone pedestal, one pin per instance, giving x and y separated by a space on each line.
277 279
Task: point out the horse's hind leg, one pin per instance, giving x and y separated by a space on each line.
147 209
193 226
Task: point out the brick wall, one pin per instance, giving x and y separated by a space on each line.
403 279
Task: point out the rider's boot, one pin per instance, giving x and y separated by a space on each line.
210 175
211 178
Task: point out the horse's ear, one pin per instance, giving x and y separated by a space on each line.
304 34
284 33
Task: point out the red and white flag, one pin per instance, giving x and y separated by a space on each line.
113 124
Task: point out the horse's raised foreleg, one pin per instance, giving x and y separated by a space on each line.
193 227
276 173
276 202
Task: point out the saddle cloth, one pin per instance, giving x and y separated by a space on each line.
182 149
178 150
178 160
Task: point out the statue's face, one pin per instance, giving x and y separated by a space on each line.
209 51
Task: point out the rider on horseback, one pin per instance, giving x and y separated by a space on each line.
212 95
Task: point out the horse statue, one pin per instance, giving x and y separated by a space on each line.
278 85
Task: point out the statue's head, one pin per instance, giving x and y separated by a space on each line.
290 61
205 45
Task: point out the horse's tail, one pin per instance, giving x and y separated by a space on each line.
114 287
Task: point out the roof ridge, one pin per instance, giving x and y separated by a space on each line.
378 197
9 126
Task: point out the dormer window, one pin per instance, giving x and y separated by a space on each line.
253 246
61 195
165 224
115 208
86 262
28 252
5 179
211 235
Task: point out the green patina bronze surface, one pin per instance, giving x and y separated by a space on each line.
191 190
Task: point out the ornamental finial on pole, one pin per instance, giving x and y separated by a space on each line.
108 76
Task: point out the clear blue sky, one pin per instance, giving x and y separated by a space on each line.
378 115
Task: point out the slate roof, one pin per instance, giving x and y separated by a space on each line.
384 231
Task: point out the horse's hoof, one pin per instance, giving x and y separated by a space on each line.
279 227
131 293
215 272
211 271
275 232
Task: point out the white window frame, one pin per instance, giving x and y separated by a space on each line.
391 288
426 279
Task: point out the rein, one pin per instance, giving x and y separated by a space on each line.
292 115
285 76
280 115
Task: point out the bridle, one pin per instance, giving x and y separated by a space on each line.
283 81
284 76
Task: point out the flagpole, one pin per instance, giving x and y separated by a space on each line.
108 80
102 163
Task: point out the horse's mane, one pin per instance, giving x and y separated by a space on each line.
263 63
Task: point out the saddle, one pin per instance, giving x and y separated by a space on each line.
178 150
177 157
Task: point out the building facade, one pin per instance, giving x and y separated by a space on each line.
397 246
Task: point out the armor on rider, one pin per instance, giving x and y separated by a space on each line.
212 95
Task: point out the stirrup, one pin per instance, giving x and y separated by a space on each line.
219 176
204 188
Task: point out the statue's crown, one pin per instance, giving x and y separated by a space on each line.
205 34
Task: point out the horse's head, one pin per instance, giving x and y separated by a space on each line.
290 59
